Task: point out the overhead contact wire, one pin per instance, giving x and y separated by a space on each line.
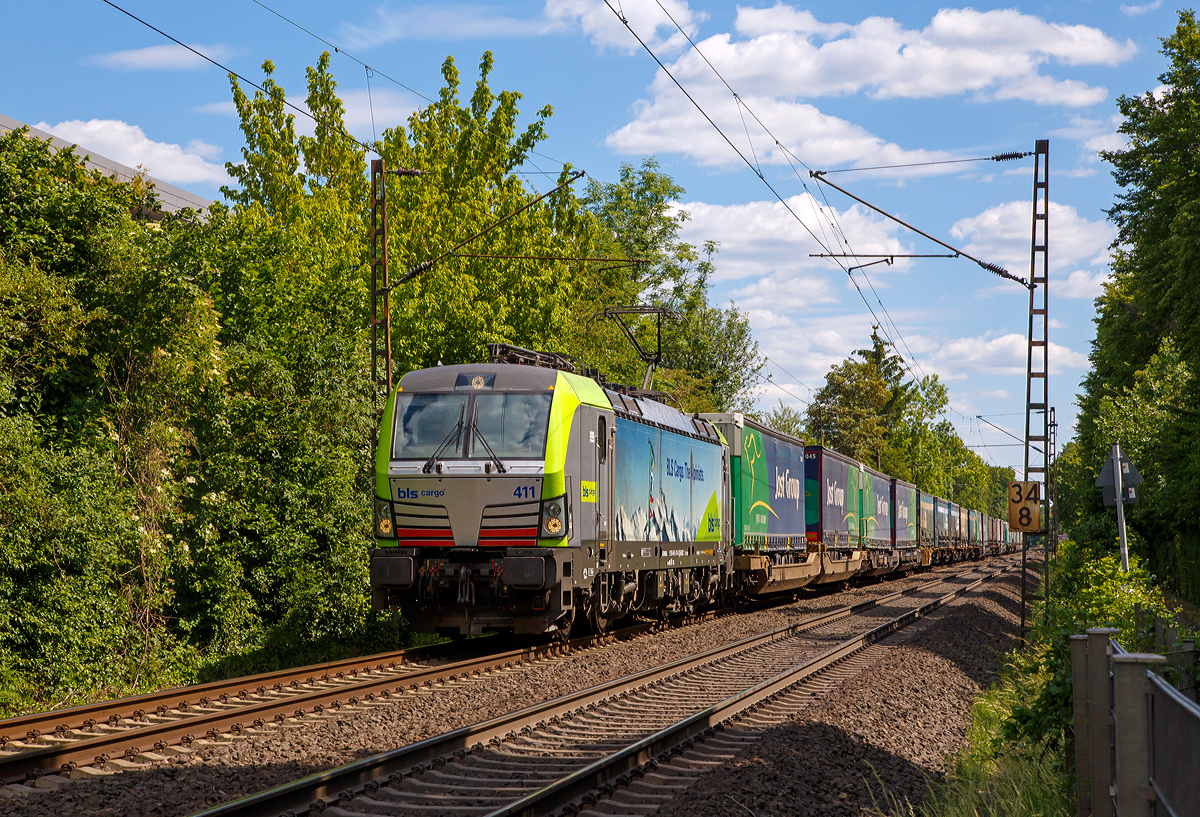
839 234
250 82
710 121
339 50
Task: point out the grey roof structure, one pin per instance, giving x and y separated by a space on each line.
171 198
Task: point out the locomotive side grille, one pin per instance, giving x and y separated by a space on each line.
422 525
514 525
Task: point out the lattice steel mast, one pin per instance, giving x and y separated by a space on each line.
1037 369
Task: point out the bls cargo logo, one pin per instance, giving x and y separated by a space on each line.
416 493
589 492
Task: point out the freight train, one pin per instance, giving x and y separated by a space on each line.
523 495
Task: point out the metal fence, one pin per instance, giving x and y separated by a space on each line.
1137 737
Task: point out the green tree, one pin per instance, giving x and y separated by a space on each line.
867 410
109 348
786 419
711 361
468 155
1141 391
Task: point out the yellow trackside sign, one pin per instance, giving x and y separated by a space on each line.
589 492
1025 506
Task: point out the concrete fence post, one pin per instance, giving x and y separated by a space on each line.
1131 731
1100 719
1079 704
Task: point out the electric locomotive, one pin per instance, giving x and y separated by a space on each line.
524 497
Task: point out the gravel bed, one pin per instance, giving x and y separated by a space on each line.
217 772
888 729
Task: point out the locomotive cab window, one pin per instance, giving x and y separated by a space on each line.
512 425
426 422
602 439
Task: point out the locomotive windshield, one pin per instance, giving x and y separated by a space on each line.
425 421
514 425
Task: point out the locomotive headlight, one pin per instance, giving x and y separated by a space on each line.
554 518
383 518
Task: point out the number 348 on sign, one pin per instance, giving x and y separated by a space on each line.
1025 506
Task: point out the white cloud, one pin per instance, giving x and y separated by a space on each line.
761 238
794 291
956 359
960 51
161 58
645 17
1080 284
1001 235
129 145
458 21
1135 10
226 108
822 140
808 353
786 56
1093 135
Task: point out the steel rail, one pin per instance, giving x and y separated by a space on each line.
285 703
280 702
607 770
137 706
299 795
132 715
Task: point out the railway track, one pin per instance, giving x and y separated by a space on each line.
164 723
615 740
127 733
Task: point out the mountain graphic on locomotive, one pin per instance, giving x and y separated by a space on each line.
533 498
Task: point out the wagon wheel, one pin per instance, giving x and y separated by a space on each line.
600 620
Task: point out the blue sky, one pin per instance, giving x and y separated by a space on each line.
838 85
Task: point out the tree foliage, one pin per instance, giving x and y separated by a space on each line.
868 410
185 401
1142 391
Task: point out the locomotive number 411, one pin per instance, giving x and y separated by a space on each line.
1025 506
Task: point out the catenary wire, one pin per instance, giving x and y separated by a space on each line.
710 121
342 52
999 157
839 233
207 58
742 156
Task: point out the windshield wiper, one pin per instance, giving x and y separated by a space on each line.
453 435
475 432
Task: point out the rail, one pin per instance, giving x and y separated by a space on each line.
344 783
107 732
